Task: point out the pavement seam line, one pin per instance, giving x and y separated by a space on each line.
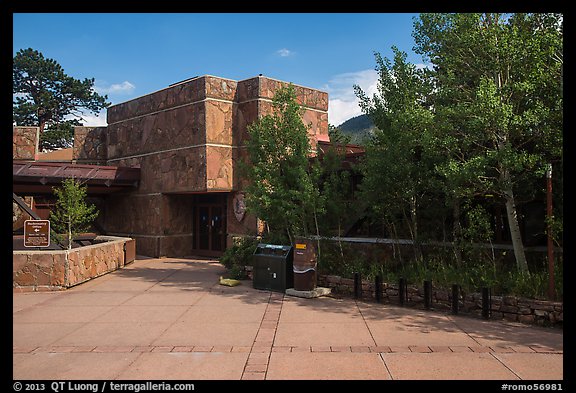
502 363
365 323
230 348
272 298
128 367
381 356
451 319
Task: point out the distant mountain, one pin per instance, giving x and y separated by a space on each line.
359 128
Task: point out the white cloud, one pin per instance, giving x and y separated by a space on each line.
95 121
420 66
342 102
116 88
285 52
91 120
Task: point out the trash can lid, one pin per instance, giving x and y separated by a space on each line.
295 270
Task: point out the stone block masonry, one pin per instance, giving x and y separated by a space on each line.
511 308
187 139
193 127
49 270
90 146
25 142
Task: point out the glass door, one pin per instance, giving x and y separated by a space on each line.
210 229
218 229
203 228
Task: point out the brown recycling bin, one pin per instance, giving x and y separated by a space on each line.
304 265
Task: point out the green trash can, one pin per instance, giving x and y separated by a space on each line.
272 267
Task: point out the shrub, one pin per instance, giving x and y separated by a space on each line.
238 272
473 273
238 256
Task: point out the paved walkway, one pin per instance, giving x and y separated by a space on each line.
169 319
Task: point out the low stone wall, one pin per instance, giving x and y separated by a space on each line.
50 270
511 308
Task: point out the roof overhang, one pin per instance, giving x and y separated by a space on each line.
34 177
351 154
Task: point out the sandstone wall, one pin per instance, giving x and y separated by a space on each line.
54 270
90 145
25 142
188 138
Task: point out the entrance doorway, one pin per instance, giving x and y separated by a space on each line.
209 224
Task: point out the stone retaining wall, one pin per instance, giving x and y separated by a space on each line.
60 269
511 308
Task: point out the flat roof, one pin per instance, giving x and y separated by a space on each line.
212 76
56 155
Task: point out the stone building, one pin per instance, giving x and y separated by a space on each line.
186 140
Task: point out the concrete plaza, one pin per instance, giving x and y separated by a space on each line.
169 319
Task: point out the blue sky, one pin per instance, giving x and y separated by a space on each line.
131 55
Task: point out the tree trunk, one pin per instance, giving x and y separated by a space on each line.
340 240
317 233
41 126
69 234
512 214
415 237
396 243
515 234
457 232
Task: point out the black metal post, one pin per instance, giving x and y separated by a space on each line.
401 291
378 289
486 303
455 296
427 294
357 286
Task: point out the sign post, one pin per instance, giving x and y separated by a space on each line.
37 233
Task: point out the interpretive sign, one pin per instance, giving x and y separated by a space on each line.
37 233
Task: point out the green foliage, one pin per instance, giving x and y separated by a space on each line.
471 276
240 253
276 237
337 136
58 136
398 170
281 188
497 103
44 95
532 285
335 186
237 257
71 214
478 227
238 272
